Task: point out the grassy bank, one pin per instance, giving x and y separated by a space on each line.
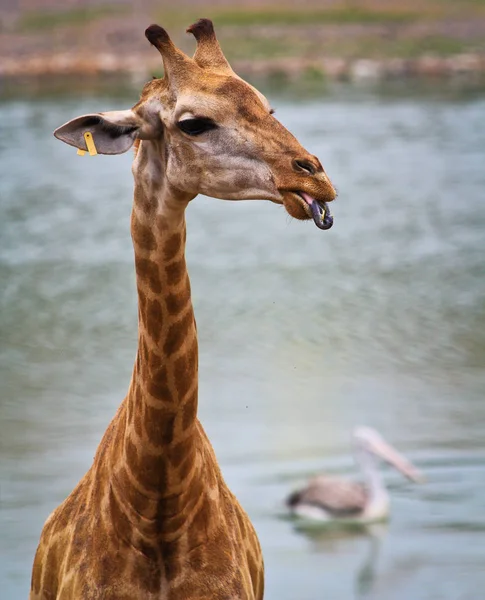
271 38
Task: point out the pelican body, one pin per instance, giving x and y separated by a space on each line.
334 499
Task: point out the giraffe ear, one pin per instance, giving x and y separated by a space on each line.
113 132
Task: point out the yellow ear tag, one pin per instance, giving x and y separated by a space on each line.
88 138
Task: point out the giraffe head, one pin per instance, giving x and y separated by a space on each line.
216 132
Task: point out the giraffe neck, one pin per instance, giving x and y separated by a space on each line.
160 471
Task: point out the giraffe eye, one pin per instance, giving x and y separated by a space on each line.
196 126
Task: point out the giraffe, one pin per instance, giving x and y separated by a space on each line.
152 518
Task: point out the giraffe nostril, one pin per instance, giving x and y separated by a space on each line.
305 166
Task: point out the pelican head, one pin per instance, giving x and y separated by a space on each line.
369 441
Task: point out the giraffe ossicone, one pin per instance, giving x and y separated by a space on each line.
153 519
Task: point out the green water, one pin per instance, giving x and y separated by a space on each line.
303 334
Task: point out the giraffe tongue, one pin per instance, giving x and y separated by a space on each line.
320 211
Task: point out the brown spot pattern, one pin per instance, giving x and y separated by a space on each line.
138 424
203 517
148 270
154 317
143 236
184 370
186 466
181 451
172 246
131 455
177 333
162 226
159 425
189 411
155 364
143 350
133 497
174 523
157 385
153 472
176 271
175 303
141 199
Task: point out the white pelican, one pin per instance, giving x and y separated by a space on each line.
334 499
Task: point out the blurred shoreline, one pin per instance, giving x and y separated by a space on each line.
327 40
142 67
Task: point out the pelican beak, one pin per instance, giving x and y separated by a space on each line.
398 461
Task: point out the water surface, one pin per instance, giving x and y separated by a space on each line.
303 334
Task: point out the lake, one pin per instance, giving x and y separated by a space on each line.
303 334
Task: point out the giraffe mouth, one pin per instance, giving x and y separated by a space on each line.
318 209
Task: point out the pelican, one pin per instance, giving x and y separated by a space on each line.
333 499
